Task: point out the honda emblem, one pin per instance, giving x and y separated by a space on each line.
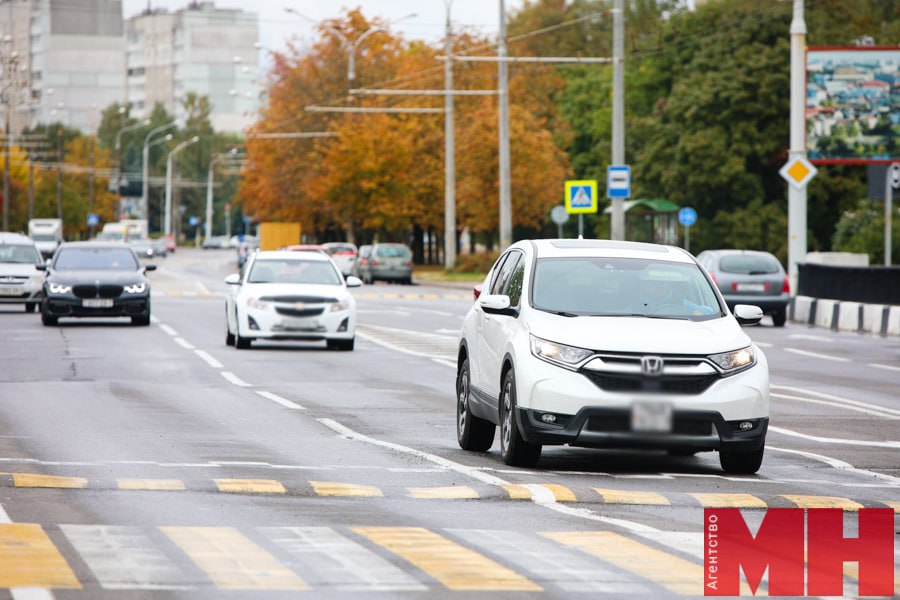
652 365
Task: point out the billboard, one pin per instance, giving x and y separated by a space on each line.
852 104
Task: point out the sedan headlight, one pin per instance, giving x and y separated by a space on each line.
339 306
558 354
137 288
736 360
60 288
257 304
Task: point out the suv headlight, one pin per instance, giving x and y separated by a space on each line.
137 288
734 361
558 354
60 288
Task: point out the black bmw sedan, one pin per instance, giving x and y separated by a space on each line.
96 279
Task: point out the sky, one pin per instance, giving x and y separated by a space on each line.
277 26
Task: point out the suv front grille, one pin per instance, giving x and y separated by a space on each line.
670 384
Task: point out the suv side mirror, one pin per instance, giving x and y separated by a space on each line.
497 304
747 314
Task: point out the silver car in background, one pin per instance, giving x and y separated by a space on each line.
387 262
750 277
20 281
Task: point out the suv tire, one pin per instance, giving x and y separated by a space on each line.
741 462
514 450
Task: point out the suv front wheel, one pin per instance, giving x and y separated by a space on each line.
514 450
746 463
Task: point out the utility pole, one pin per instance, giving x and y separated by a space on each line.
503 84
30 188
797 194
449 149
91 186
617 223
59 159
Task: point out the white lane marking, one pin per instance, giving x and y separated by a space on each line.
825 440
390 346
209 359
124 558
350 565
887 367
4 518
203 289
168 330
31 593
454 332
815 338
817 355
279 400
372 311
184 343
839 464
540 495
877 413
155 320
841 400
234 379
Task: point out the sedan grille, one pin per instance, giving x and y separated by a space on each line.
303 299
97 291
299 312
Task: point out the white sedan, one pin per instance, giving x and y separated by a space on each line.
290 296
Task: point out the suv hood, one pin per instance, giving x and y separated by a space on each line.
640 334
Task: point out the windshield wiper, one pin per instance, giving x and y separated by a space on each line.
562 313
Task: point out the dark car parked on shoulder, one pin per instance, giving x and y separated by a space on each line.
750 277
96 279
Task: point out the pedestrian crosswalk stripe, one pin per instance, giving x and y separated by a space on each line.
28 558
251 486
672 572
570 570
170 485
332 488
336 562
822 502
454 492
47 481
517 492
455 566
729 500
124 558
631 497
233 561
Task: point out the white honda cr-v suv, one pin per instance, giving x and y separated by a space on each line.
607 344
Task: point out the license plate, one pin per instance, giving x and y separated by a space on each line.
651 416
300 324
750 287
8 290
97 302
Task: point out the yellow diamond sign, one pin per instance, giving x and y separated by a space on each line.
798 171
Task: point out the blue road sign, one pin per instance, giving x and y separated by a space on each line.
618 181
687 216
93 220
194 221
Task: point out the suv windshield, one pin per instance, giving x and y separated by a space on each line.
623 287
19 253
749 264
96 259
294 271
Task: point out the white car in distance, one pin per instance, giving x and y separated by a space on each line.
290 296
605 344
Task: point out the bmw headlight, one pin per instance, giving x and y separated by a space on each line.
60 288
137 288
558 354
257 304
736 360
339 306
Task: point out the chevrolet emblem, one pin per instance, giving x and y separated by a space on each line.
299 305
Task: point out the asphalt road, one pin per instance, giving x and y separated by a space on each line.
158 462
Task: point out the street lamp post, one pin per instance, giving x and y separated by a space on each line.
118 147
233 153
169 158
449 149
145 157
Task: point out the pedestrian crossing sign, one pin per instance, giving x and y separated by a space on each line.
581 196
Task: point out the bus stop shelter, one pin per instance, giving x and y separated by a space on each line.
652 220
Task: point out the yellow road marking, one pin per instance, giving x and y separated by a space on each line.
411 296
331 488
392 296
560 492
151 484
896 507
631 497
28 558
454 492
430 296
232 561
252 486
672 572
47 481
455 566
729 500
517 492
822 502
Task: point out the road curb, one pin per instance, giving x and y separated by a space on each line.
881 319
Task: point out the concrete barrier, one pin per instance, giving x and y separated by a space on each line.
802 308
825 313
848 316
879 319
